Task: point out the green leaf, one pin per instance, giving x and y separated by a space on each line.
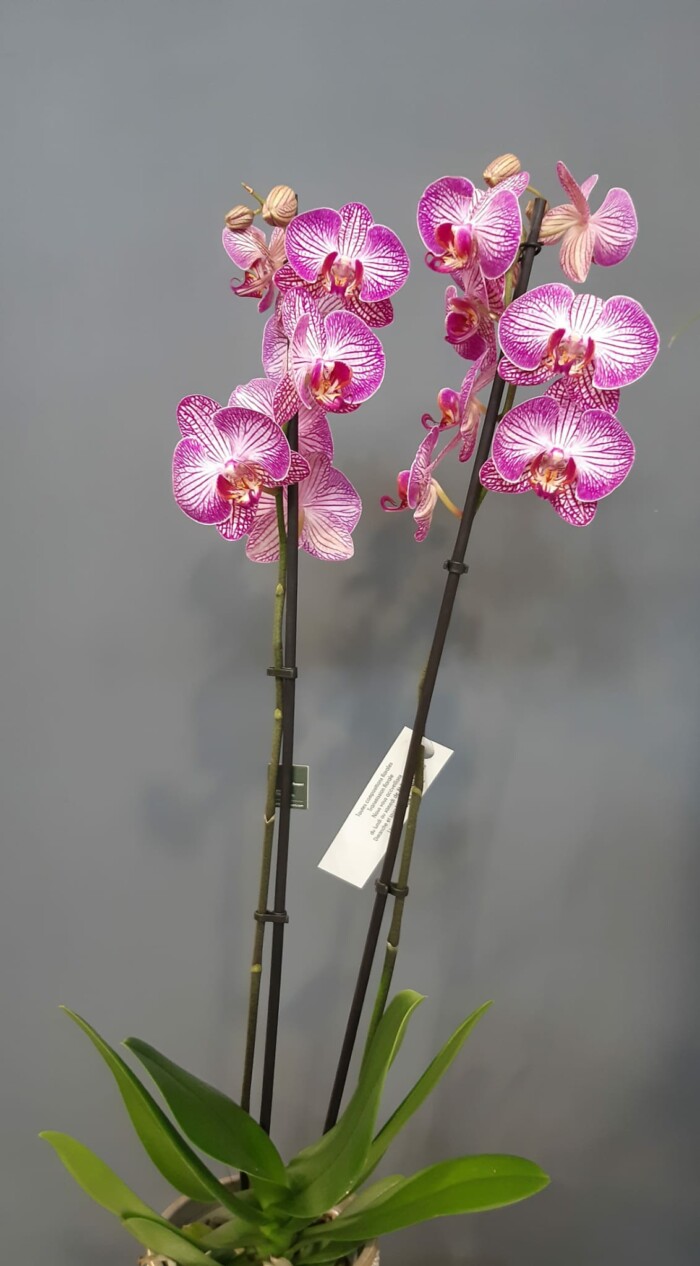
210 1119
169 1152
96 1178
324 1173
468 1185
423 1087
160 1237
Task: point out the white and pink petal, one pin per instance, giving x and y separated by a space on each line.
445 201
615 228
529 322
195 483
385 264
626 343
311 238
525 432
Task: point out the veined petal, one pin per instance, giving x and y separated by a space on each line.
385 264
194 416
355 223
526 326
580 388
490 478
614 227
298 470
446 201
258 395
286 400
325 538
557 222
311 237
626 343
498 225
420 475
195 476
584 314
244 246
375 315
571 510
256 439
263 543
275 349
297 302
587 186
314 432
603 453
525 432
349 340
576 255
573 190
523 377
327 492
238 523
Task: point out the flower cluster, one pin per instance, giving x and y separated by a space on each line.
327 277
567 445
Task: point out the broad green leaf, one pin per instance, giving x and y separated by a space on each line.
234 1233
211 1120
324 1173
169 1152
160 1237
96 1178
423 1087
468 1185
330 1254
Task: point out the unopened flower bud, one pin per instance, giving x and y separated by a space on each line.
280 206
239 218
501 168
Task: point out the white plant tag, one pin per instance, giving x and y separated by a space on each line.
362 840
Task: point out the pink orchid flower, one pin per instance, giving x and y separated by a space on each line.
459 223
375 315
249 249
347 252
417 488
469 310
329 510
569 456
462 409
336 362
606 237
551 331
225 460
314 432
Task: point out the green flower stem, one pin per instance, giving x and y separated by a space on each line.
269 818
392 943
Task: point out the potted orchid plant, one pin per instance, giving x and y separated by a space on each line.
260 468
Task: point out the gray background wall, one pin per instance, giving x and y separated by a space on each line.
558 866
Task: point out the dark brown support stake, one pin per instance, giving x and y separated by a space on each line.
455 567
288 675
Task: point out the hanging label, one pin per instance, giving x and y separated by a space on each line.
300 787
362 840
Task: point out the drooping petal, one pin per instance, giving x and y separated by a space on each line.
328 492
355 223
263 542
490 478
258 395
195 477
445 201
256 439
275 349
375 315
580 388
385 264
419 478
626 343
244 246
311 237
576 255
498 226
239 521
314 432
350 341
557 222
573 191
325 538
571 510
603 453
527 325
615 228
525 432
194 416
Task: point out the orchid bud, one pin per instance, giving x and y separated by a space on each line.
239 218
501 168
280 206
